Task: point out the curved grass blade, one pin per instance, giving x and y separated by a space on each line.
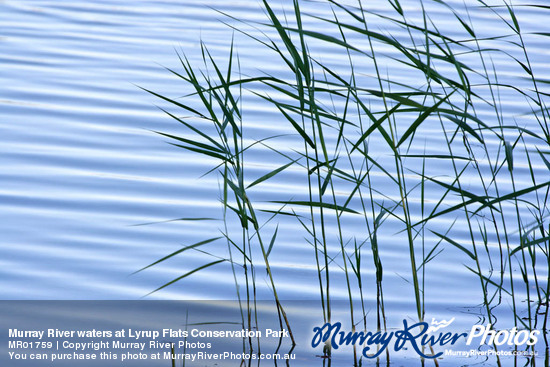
514 195
194 129
509 155
315 204
546 162
201 151
272 242
181 105
286 40
427 112
271 174
456 244
186 275
170 220
500 287
298 128
463 125
179 252
192 142
529 244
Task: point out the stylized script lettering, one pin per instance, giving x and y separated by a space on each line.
416 335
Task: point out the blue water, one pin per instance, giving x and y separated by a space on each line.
80 167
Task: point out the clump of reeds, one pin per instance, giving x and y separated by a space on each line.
435 160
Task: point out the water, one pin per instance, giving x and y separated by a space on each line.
80 166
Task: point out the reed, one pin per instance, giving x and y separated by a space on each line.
364 155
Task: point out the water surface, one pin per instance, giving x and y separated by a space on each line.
80 166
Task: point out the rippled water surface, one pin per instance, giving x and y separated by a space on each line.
80 166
